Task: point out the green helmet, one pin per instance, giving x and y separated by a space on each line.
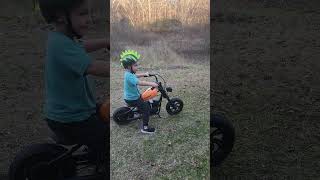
129 57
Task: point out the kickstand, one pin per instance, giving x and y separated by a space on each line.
159 116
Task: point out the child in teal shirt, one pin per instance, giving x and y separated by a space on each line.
131 92
70 104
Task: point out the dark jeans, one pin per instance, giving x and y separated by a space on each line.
143 107
92 132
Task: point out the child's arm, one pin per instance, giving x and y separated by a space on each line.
142 75
94 45
99 68
146 83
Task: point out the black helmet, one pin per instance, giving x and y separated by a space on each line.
50 8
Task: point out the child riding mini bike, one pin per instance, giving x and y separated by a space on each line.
145 104
153 96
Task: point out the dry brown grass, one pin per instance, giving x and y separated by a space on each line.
141 13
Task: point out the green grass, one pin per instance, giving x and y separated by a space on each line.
180 147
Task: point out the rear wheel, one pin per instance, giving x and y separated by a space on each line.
222 136
121 115
32 163
174 106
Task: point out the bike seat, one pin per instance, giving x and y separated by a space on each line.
62 140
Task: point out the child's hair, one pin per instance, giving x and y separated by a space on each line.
50 8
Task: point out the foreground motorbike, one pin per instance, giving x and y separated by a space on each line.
62 160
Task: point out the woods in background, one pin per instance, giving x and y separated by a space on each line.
144 12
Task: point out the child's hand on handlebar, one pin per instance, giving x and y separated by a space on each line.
147 74
147 83
154 84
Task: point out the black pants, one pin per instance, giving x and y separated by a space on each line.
92 132
143 107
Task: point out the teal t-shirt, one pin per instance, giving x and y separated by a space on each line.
131 91
69 92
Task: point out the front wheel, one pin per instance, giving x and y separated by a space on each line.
174 106
32 163
121 115
222 136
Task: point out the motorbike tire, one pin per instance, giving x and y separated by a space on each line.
36 154
226 129
121 115
178 103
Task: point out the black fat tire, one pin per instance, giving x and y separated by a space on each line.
121 115
224 125
170 104
37 153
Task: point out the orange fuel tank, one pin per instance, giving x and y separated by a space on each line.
149 93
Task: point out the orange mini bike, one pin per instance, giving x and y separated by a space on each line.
153 96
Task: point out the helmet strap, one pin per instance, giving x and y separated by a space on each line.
132 70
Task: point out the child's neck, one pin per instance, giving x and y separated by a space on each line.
128 70
61 28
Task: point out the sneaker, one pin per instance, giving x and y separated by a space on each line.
147 130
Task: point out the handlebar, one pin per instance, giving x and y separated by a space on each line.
156 77
150 75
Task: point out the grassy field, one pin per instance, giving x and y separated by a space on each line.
265 78
180 147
